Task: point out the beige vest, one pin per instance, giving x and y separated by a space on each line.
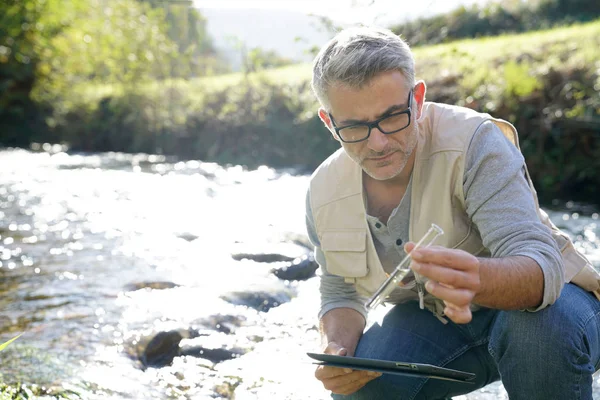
338 208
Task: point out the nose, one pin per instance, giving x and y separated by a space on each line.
377 141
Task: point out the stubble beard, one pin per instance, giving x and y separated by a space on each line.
373 170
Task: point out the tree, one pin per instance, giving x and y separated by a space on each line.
27 28
109 41
186 26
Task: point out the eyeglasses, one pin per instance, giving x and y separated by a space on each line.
388 124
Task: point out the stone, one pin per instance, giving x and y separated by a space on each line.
300 269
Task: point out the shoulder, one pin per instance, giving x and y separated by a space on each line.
490 139
444 127
337 177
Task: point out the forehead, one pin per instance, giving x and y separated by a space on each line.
367 102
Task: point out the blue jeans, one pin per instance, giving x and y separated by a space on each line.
549 354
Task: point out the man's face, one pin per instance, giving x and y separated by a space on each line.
381 156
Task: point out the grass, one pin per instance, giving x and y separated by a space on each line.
565 47
196 88
478 59
5 344
560 48
24 391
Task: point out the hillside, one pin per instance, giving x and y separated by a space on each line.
545 82
559 48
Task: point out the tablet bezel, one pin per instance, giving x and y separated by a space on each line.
394 367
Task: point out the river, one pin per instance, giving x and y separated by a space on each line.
100 252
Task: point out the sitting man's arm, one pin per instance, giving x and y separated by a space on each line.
342 321
525 269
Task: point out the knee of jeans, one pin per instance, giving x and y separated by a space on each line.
561 325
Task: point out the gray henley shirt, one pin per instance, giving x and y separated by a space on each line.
499 202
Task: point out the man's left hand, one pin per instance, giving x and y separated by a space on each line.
453 277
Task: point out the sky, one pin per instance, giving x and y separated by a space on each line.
349 11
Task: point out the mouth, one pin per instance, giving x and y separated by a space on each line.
382 158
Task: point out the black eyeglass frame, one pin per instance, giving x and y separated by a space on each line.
374 124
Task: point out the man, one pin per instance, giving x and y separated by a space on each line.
491 297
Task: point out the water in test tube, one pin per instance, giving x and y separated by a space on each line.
402 269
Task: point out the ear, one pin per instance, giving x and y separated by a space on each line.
324 115
419 97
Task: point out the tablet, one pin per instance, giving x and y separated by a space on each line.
394 367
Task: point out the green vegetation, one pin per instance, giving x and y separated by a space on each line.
28 392
67 77
5 344
497 17
545 82
50 47
21 391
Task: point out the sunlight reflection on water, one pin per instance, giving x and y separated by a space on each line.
82 234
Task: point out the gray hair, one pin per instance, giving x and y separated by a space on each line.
356 55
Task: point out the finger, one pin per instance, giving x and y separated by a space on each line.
456 259
457 296
461 315
356 384
335 349
337 382
324 372
448 276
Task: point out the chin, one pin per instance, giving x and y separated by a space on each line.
383 173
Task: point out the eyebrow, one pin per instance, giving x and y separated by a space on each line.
390 110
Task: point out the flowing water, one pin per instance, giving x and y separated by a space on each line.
85 238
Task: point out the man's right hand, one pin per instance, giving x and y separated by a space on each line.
342 380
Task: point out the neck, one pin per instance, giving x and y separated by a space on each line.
383 196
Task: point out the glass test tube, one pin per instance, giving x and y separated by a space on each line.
402 269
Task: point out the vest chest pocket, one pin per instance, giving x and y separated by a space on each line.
345 253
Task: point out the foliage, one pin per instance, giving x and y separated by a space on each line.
187 28
99 93
26 392
497 18
5 344
52 52
539 81
110 42
259 59
50 47
252 123
26 29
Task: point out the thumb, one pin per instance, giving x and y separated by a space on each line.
409 246
335 349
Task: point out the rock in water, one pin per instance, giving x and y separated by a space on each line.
261 257
300 269
260 301
214 355
150 285
268 253
222 323
161 350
